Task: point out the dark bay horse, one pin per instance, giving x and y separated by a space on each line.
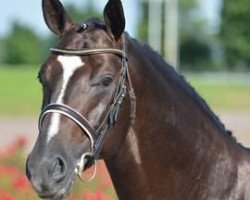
105 96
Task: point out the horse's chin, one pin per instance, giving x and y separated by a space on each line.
61 192
57 196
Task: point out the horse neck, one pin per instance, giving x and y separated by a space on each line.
173 138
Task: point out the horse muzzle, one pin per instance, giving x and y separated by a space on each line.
51 177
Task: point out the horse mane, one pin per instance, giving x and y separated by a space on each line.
167 70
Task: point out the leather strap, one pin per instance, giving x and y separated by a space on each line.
86 52
75 116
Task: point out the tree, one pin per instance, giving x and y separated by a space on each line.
1 51
22 46
194 43
195 50
80 14
235 33
143 25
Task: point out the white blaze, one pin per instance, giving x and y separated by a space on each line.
69 65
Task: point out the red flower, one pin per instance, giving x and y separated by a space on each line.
99 195
89 195
8 170
21 141
20 182
15 147
5 196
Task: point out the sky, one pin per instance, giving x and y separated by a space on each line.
29 12
210 9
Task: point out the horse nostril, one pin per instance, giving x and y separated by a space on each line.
59 170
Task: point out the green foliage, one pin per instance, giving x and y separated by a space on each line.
1 51
22 46
79 14
235 33
195 49
143 25
187 13
194 54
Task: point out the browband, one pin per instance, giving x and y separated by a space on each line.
85 52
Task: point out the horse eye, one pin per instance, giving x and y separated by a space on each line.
107 80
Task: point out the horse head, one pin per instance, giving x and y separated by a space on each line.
84 83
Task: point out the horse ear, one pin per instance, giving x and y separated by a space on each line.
114 18
55 16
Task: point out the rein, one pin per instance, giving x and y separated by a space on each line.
97 136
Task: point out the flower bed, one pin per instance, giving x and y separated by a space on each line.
15 186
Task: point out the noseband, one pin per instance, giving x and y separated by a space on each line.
97 136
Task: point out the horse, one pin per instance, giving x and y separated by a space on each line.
106 96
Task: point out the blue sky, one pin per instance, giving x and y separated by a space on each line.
29 12
210 9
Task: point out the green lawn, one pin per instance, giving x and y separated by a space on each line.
20 92
226 92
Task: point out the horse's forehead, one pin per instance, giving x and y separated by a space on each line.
69 65
88 39
94 38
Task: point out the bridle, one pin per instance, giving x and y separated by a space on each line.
97 136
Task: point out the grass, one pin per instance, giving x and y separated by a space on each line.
20 92
230 92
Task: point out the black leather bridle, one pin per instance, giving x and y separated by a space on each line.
96 136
